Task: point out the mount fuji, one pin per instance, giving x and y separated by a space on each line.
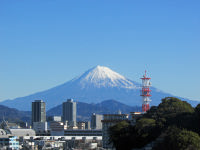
94 86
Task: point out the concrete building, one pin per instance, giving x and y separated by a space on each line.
81 125
22 132
83 133
54 118
108 121
41 128
87 125
69 112
6 132
57 128
38 111
96 121
10 142
62 142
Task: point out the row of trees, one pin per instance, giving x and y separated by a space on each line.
173 121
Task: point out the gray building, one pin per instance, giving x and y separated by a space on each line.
96 121
38 111
87 125
69 112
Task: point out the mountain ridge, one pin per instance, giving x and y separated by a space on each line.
85 110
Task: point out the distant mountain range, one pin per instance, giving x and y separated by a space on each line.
84 111
14 115
93 86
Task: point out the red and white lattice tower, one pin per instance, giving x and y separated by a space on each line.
145 92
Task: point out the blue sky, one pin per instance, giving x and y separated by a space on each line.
46 43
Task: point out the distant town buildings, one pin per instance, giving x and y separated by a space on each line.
9 137
62 132
65 132
38 111
69 112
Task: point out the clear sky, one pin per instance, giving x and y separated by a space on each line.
44 43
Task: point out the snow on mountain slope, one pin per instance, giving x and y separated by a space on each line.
101 76
95 85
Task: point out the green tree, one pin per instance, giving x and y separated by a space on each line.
144 125
179 139
171 112
171 106
120 135
197 109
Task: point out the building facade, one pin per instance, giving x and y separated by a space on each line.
87 125
57 128
10 142
96 121
69 112
38 111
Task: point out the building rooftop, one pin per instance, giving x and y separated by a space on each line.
70 100
116 114
38 100
22 132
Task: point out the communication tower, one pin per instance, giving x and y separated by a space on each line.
145 92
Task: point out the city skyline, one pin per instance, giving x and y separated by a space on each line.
44 44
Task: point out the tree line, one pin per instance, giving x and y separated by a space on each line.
176 123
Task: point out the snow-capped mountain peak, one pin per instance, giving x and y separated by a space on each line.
101 76
95 85
101 72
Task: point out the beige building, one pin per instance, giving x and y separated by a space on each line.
57 128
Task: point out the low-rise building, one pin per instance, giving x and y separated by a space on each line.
6 131
10 142
40 127
54 118
57 128
81 125
92 133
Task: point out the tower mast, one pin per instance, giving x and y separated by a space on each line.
145 92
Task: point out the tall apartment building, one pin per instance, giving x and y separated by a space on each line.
69 112
96 121
38 111
108 121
